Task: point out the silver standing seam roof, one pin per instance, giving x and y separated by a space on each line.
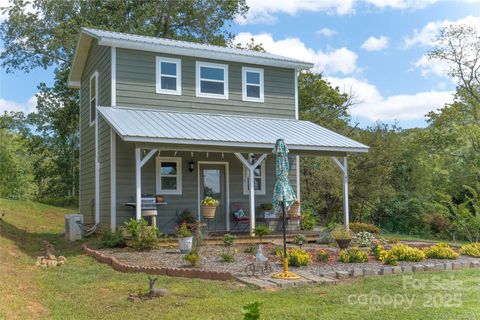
158 126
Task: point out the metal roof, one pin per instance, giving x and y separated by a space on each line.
158 126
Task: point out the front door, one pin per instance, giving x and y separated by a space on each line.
212 184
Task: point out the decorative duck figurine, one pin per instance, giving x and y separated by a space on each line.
260 257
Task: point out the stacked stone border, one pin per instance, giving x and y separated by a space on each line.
173 272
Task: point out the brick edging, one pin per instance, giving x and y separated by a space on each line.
173 272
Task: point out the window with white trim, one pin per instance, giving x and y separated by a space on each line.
169 75
212 80
252 84
93 102
169 175
258 180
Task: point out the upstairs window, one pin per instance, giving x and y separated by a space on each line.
169 175
212 80
93 102
252 84
169 76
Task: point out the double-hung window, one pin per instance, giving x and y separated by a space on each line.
252 84
93 101
169 175
258 180
212 80
169 75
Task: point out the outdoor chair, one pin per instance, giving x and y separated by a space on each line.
242 222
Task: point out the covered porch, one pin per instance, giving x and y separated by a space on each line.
187 156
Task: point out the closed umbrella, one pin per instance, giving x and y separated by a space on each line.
283 199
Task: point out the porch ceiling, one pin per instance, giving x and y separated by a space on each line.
224 133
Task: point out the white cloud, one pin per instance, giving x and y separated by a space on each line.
26 107
432 67
326 32
375 44
340 60
373 106
426 35
401 4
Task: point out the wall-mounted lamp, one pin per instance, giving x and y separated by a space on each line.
191 165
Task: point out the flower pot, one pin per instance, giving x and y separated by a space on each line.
294 210
159 198
185 244
208 212
343 243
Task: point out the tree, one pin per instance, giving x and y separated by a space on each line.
46 36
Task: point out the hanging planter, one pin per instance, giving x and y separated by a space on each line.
209 207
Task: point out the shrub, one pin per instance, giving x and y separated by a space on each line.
438 223
300 240
228 240
323 255
364 238
389 258
277 251
183 231
250 249
111 239
228 255
192 258
261 231
309 220
186 216
341 233
296 257
143 236
377 250
472 250
353 256
406 253
361 227
440 251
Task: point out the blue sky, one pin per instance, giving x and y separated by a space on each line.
388 74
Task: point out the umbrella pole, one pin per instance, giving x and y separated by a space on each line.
285 274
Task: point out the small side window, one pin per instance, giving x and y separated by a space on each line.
169 175
252 84
93 102
169 76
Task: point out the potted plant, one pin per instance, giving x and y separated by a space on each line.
185 238
342 236
295 209
209 207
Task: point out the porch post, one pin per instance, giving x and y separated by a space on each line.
138 184
344 169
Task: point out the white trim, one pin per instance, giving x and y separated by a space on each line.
113 71
244 84
97 171
178 77
227 189
113 180
94 75
343 167
198 65
80 154
297 176
138 184
178 161
295 73
246 177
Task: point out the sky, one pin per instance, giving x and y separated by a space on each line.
374 49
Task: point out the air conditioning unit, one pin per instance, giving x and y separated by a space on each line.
73 227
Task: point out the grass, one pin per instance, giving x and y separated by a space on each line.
410 237
85 289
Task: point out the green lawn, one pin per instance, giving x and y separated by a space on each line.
84 289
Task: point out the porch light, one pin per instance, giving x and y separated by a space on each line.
191 165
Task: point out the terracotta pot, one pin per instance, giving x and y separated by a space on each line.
159 198
208 212
185 244
343 243
294 210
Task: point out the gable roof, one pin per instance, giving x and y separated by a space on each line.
204 129
163 45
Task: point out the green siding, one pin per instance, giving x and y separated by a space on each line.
136 87
99 59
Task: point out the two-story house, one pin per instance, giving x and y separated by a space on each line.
185 120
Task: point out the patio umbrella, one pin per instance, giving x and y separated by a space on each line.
283 199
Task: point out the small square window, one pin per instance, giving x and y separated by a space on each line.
169 76
169 175
252 84
212 80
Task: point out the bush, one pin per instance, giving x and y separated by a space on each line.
228 240
440 251
472 250
186 216
357 227
143 237
353 256
406 253
364 238
390 259
228 255
309 220
300 240
111 239
438 223
323 255
262 231
277 251
250 249
341 233
297 257
192 258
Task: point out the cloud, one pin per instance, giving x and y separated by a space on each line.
26 107
375 44
373 106
340 60
401 4
432 67
326 32
426 36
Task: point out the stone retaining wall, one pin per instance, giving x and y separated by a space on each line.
173 272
